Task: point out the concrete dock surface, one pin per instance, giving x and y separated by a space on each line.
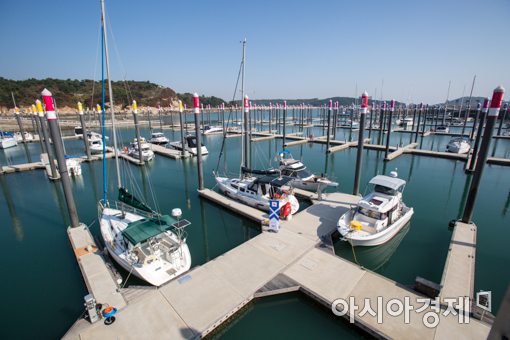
193 305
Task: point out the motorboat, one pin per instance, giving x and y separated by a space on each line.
78 131
404 122
158 138
349 124
302 178
7 140
258 191
208 129
151 246
73 166
190 143
19 138
95 145
442 129
459 145
457 122
147 153
378 216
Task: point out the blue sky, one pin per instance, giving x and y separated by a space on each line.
296 49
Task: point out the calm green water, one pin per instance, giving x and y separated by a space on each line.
40 271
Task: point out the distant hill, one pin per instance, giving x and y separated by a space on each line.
68 92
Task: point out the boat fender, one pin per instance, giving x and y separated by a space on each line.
125 149
285 210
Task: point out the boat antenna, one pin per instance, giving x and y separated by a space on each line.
110 93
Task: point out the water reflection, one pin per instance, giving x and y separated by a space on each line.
60 202
204 229
16 223
372 258
507 204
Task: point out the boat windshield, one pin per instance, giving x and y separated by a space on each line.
385 190
303 173
372 214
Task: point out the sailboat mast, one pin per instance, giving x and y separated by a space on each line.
110 93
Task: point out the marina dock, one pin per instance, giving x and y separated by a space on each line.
161 150
272 263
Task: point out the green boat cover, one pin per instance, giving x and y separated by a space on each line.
128 198
144 229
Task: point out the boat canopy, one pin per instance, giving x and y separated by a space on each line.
277 182
144 229
246 170
389 182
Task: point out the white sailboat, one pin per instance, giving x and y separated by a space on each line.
301 177
378 216
257 191
146 243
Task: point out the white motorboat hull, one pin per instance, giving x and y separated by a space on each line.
368 240
153 272
460 149
312 185
146 155
193 151
255 202
159 141
8 142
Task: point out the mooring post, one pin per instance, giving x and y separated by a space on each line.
183 149
418 123
270 116
284 122
54 174
333 123
477 116
502 119
137 131
425 119
374 110
39 133
361 142
20 124
329 121
196 109
482 116
388 135
84 130
223 117
59 151
381 122
32 120
149 120
492 115
99 112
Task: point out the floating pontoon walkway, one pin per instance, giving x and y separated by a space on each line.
193 305
161 150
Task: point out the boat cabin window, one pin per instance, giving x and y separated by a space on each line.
385 190
254 187
372 214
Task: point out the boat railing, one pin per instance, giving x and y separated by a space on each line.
126 208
